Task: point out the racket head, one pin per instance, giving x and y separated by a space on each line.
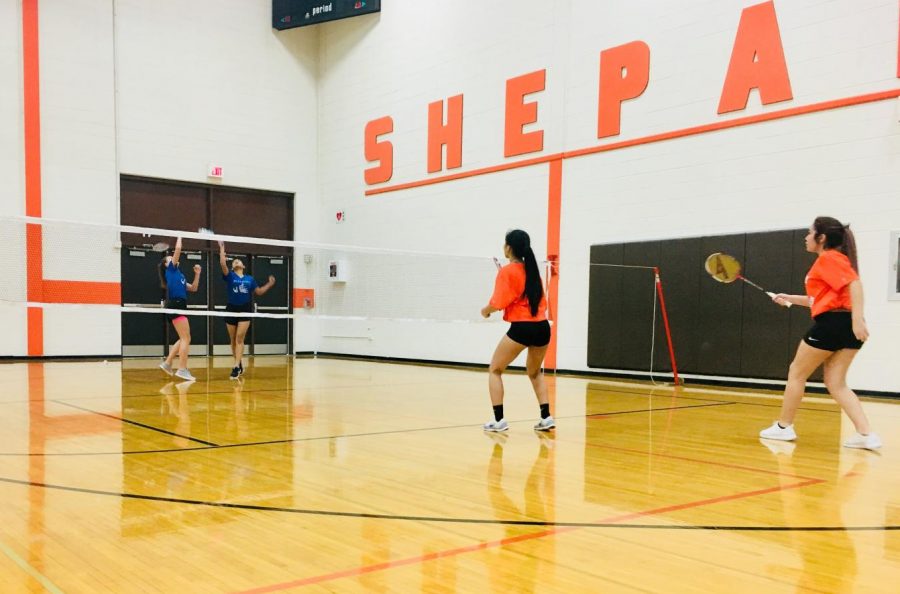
497 263
723 267
161 246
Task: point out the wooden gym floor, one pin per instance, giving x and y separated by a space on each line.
349 476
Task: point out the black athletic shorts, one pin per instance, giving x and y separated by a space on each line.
245 308
832 331
175 304
532 334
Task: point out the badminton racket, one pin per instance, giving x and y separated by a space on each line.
727 269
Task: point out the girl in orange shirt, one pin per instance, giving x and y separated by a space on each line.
519 294
834 294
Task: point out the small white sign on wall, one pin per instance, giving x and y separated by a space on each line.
215 171
337 271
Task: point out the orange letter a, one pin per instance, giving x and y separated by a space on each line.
757 61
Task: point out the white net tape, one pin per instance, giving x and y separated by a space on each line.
341 281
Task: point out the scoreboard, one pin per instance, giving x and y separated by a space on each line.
287 14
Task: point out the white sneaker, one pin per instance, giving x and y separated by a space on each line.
864 442
166 367
545 424
185 375
776 432
496 426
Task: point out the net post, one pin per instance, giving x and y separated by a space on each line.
665 316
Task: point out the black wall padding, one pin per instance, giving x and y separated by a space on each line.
605 309
718 329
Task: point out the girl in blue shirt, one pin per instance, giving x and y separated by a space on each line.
172 280
241 288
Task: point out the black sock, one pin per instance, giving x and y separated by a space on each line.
545 410
498 412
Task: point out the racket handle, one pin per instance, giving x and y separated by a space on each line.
772 295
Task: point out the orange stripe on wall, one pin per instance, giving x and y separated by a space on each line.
35 331
63 291
721 125
34 261
554 206
32 107
464 174
31 83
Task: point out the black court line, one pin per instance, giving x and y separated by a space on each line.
135 423
288 390
213 446
626 412
702 399
439 519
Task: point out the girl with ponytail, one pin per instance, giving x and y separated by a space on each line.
834 294
519 293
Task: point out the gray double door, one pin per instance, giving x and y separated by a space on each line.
147 334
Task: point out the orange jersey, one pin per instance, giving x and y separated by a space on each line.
828 282
509 289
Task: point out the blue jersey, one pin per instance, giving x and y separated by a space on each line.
176 285
240 288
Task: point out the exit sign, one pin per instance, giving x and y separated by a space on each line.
216 171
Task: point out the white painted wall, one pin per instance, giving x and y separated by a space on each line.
157 89
163 88
12 168
12 174
776 175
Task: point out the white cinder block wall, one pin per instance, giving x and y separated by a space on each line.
12 174
774 175
158 89
161 89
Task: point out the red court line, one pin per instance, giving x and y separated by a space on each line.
366 569
691 131
700 461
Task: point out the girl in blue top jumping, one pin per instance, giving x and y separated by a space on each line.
241 288
172 280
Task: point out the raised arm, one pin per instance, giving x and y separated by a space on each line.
263 289
196 283
223 264
177 254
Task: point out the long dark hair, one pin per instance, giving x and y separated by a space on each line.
161 270
520 245
837 236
